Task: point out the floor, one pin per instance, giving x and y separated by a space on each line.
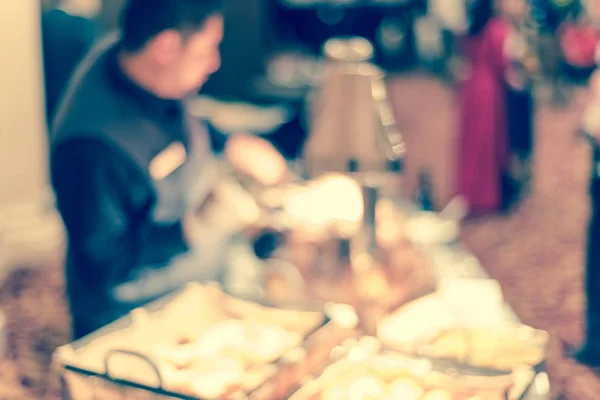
536 253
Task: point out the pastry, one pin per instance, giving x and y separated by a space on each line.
405 389
438 394
486 348
487 396
368 387
257 158
452 344
228 357
373 284
277 286
501 350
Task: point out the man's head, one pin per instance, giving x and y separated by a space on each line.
175 42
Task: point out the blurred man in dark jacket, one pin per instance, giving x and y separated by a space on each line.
128 161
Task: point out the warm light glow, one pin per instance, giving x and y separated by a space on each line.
389 233
257 158
332 201
341 197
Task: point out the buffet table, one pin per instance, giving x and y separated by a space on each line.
293 352
359 295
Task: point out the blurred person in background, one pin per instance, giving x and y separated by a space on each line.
129 164
69 29
589 352
482 157
552 13
452 20
522 64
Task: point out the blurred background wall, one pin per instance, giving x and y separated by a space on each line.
22 121
28 224
244 45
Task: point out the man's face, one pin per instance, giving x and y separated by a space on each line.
185 63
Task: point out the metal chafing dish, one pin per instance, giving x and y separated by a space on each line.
449 326
353 129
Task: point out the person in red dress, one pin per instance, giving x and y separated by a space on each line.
483 139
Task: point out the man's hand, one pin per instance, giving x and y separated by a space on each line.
257 158
228 210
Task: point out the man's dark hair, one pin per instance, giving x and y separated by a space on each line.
141 20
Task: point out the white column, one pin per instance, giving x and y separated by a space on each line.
29 227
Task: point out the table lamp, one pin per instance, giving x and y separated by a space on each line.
352 128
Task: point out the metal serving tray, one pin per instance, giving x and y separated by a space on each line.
515 385
83 378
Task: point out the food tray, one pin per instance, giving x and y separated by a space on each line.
449 326
89 371
356 360
500 349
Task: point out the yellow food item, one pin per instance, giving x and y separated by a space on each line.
334 393
388 376
486 348
405 389
366 387
373 284
487 396
453 344
434 379
277 287
388 372
246 358
438 394
497 350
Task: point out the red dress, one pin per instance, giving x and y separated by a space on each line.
482 121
